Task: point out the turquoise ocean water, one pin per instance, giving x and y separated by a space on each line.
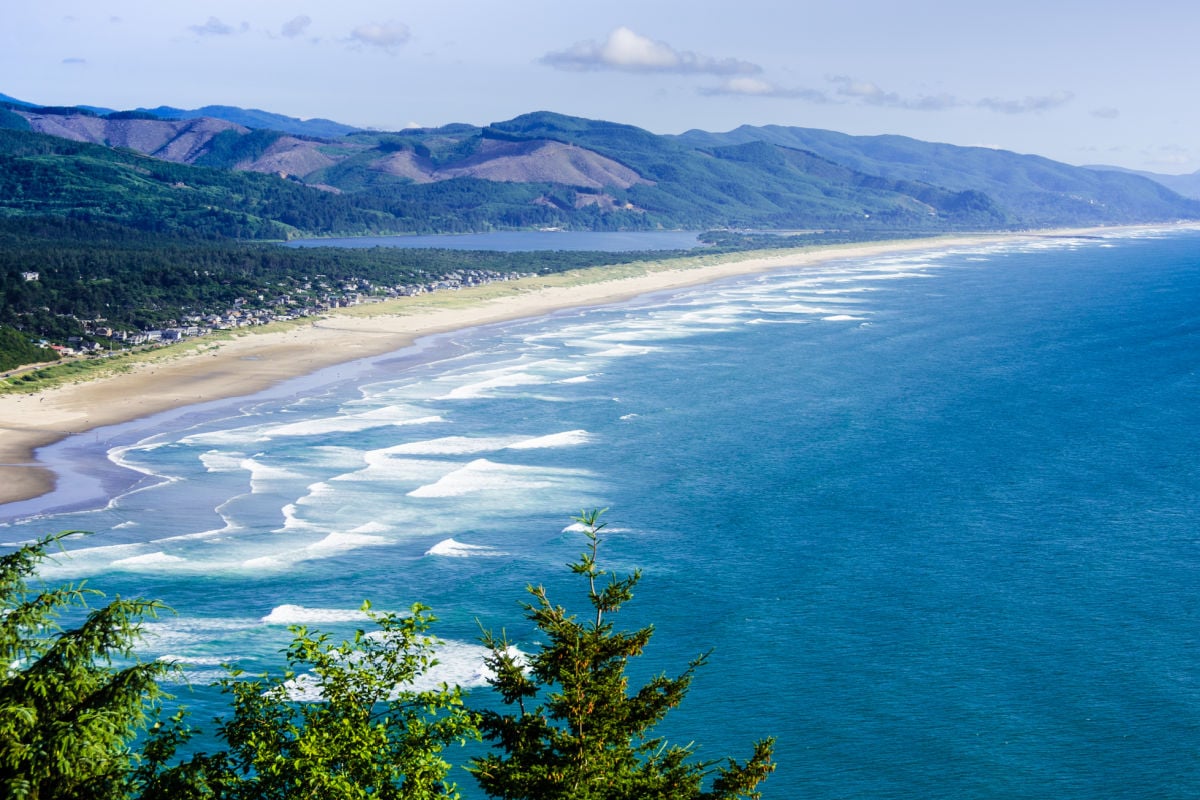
936 514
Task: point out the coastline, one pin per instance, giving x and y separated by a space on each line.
254 361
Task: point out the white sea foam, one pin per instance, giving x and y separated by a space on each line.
338 423
797 308
459 664
845 290
564 439
197 661
577 379
626 350
371 527
486 388
352 423
454 549
453 446
342 542
126 524
156 558
385 466
265 564
222 461
180 634
842 318
482 475
289 614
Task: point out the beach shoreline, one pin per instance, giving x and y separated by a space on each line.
254 361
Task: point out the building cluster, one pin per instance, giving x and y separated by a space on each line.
308 301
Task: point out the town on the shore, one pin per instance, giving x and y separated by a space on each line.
311 298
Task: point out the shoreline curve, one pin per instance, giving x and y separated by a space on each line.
251 362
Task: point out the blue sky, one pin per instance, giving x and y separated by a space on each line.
1081 82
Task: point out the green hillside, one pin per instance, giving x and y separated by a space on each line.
1030 190
545 169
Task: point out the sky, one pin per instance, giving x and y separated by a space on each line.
1098 82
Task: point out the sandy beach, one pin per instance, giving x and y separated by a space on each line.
254 361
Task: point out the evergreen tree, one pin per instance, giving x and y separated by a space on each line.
576 732
342 722
67 714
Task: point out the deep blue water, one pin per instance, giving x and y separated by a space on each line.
519 241
935 514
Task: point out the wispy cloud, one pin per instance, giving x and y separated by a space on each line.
1168 156
215 27
384 35
1026 105
1106 113
757 87
627 51
874 95
296 26
74 61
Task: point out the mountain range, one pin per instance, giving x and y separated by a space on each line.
547 169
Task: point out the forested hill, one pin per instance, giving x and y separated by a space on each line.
536 170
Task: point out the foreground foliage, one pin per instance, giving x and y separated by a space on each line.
345 720
67 714
576 731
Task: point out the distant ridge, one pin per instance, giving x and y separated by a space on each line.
13 101
547 169
256 119
1187 185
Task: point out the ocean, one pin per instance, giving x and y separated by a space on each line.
935 514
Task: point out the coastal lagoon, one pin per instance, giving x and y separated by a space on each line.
934 513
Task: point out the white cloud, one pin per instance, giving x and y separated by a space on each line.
384 35
296 26
628 51
213 27
757 87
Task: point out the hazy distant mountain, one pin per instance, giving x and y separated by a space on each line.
13 101
1031 188
1186 185
550 169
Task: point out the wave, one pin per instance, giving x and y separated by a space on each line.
454 549
222 461
564 439
454 445
458 664
393 415
154 559
341 542
289 614
198 661
842 318
482 475
484 388
624 350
